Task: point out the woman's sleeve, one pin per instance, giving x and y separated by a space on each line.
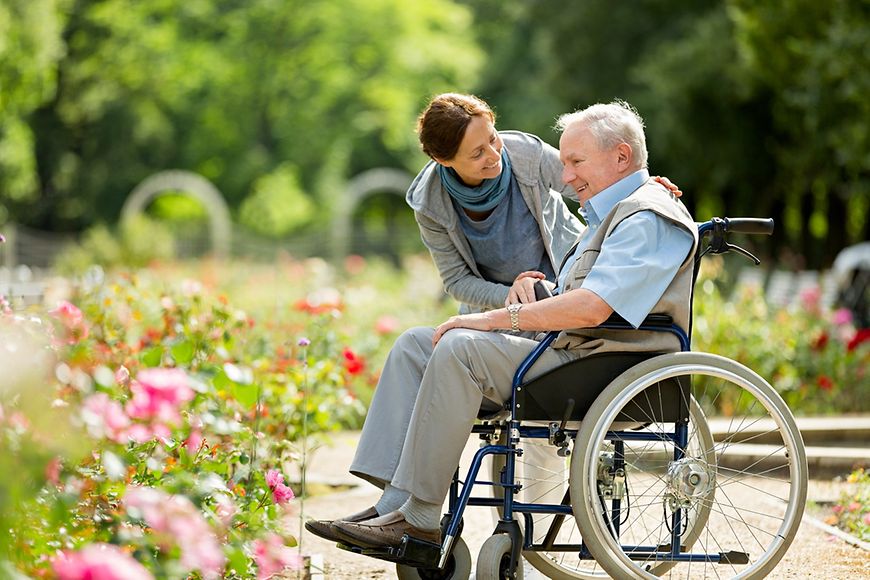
458 279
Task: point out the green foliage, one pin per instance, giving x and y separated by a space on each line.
141 241
232 91
852 511
277 204
814 357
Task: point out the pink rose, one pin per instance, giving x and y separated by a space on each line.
99 562
273 557
159 394
282 494
273 478
105 418
72 320
175 520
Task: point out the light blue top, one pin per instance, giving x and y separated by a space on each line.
638 260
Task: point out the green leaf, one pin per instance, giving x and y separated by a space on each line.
152 356
183 352
245 394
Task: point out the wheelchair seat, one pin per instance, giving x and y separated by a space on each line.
545 398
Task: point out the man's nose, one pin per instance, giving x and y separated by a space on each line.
567 176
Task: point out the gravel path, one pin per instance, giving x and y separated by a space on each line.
814 553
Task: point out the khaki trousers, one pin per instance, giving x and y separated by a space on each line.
427 401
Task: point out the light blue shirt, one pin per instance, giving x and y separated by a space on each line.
638 260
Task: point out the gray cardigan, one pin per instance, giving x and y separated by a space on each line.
538 172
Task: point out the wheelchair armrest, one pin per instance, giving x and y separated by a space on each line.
654 320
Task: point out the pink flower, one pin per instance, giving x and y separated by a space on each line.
225 508
854 506
158 394
282 494
176 521
105 418
273 478
811 298
122 376
72 320
99 562
386 324
52 471
194 441
273 557
842 316
867 519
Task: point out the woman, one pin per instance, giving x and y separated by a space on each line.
489 205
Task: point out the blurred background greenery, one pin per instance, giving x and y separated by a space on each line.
754 107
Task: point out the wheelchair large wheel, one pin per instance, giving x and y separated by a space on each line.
753 484
545 477
458 566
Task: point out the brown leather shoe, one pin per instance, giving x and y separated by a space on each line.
324 528
383 532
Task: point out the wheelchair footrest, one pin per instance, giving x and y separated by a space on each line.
409 552
732 557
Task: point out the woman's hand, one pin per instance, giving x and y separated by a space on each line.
479 321
669 185
523 288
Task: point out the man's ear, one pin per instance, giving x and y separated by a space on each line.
624 156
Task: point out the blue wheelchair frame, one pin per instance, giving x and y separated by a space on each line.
458 501
424 555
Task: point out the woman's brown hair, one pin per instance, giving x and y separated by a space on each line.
441 126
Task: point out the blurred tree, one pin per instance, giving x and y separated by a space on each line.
755 108
815 58
30 47
233 90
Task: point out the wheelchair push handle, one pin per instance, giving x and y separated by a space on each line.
719 228
749 225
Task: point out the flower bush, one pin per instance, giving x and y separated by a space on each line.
150 427
814 356
852 511
158 424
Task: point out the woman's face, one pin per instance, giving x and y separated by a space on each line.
479 154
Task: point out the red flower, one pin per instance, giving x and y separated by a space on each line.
821 341
353 363
861 336
825 383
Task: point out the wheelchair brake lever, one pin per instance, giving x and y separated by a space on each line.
739 250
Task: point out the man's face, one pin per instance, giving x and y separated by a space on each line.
587 168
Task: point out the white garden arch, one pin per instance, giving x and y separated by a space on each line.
198 187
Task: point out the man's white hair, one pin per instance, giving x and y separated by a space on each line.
611 124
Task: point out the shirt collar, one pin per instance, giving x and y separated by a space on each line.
599 205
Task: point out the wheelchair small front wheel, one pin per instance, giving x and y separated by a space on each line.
458 566
727 511
494 560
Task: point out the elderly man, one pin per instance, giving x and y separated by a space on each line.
634 258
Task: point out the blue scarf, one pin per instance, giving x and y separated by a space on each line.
485 196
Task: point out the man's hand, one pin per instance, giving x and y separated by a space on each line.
523 288
669 185
479 321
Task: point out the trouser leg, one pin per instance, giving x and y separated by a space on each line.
389 414
465 368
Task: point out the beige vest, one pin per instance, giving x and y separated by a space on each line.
676 300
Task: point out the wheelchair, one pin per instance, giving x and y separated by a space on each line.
682 465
